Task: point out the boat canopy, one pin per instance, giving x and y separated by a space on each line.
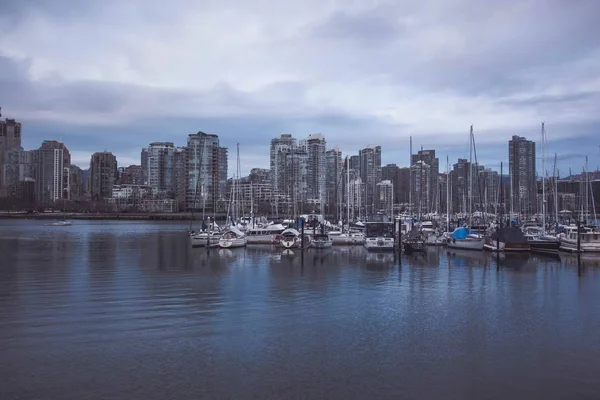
236 231
461 233
290 232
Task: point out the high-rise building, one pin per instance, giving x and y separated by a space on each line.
391 172
355 199
133 175
521 159
403 189
160 169
280 148
370 174
385 197
10 137
314 146
144 165
355 162
76 187
421 185
180 178
52 170
429 158
219 175
206 171
489 181
295 175
18 167
103 175
334 178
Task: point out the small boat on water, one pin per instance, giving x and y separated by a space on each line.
349 238
589 241
270 234
290 239
379 234
232 238
508 239
63 222
413 241
205 238
540 242
466 239
321 241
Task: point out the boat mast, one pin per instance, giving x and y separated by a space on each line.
470 178
410 182
420 183
555 175
447 194
348 191
543 180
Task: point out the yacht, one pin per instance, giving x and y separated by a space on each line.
379 234
232 238
539 242
270 234
589 240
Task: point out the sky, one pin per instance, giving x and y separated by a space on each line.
114 76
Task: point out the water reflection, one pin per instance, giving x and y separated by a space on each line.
136 306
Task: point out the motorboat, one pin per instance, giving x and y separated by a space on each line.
270 234
540 242
321 241
63 222
379 235
589 240
232 238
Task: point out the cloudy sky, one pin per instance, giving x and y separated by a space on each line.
115 75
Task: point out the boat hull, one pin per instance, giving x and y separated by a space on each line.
347 240
466 244
263 239
321 244
412 246
232 243
379 244
203 240
544 246
570 245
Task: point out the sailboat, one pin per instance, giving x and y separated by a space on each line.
539 241
463 237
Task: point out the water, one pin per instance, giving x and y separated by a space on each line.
107 310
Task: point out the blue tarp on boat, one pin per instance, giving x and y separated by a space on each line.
461 233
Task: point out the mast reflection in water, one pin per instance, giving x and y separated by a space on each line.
130 310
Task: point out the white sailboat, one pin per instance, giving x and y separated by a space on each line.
290 239
233 238
464 238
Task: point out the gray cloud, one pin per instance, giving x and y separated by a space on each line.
364 73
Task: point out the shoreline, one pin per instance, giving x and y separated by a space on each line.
111 216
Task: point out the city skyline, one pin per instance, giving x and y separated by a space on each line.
350 70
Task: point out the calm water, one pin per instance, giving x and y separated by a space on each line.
128 310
